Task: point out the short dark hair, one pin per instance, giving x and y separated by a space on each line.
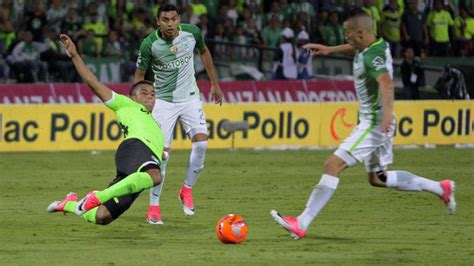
166 8
136 86
356 12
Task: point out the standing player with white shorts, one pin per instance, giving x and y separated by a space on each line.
371 141
169 52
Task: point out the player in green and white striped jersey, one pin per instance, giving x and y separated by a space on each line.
371 141
169 52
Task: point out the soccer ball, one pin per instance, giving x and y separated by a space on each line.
231 229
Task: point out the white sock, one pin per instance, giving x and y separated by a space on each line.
403 180
319 197
196 163
155 192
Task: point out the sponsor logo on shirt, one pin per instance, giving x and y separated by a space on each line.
378 63
175 63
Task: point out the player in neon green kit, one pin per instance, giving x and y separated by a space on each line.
371 141
169 52
138 157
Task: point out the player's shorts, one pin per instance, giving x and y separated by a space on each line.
190 114
132 156
367 144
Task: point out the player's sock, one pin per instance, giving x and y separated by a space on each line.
403 180
155 192
133 183
196 163
89 216
319 197
70 206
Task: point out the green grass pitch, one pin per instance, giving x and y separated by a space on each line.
360 225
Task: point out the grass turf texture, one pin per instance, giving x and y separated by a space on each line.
360 225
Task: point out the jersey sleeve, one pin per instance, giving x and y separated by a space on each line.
375 62
196 32
118 101
144 55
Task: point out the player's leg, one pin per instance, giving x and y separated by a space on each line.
350 152
193 121
131 158
166 114
376 165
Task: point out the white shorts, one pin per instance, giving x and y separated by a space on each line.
369 145
190 114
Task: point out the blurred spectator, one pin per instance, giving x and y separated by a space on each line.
56 12
198 8
7 36
25 60
372 10
112 46
35 20
188 16
206 30
138 19
439 23
271 33
71 25
99 29
391 20
345 7
253 38
212 6
412 75
333 33
303 22
302 6
232 12
220 50
321 23
463 32
60 67
413 28
305 64
286 9
88 46
285 66
274 11
240 38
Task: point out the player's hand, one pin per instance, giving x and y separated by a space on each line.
317 49
386 124
216 93
68 45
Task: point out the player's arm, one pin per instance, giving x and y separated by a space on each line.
386 91
143 61
319 49
139 75
87 76
206 58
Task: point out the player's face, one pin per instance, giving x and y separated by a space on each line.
168 23
351 34
146 96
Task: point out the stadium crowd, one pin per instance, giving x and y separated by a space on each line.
29 29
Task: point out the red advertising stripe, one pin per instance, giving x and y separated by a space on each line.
278 91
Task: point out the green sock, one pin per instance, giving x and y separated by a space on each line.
90 215
70 206
133 183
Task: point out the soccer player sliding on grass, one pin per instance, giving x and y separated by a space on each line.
371 141
138 157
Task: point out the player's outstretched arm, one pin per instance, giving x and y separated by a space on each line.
216 91
319 49
89 78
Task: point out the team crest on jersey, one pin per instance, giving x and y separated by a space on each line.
378 63
174 49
